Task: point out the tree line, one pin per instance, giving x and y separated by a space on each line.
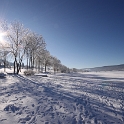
22 44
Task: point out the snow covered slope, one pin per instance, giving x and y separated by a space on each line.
78 98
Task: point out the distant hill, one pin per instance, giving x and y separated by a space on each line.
108 68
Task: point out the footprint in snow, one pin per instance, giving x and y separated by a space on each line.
23 120
11 107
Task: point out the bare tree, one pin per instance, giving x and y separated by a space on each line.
64 69
56 64
15 34
4 51
36 45
39 58
46 59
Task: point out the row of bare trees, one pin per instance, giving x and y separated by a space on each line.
23 44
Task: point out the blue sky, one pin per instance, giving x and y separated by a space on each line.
81 33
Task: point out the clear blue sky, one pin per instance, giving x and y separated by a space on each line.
81 33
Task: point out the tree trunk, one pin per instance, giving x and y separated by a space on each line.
27 63
15 66
45 67
39 65
33 60
19 66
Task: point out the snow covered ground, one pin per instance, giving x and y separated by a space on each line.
78 98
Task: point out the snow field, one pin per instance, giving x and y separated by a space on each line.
76 98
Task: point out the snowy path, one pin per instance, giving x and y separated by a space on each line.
89 98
